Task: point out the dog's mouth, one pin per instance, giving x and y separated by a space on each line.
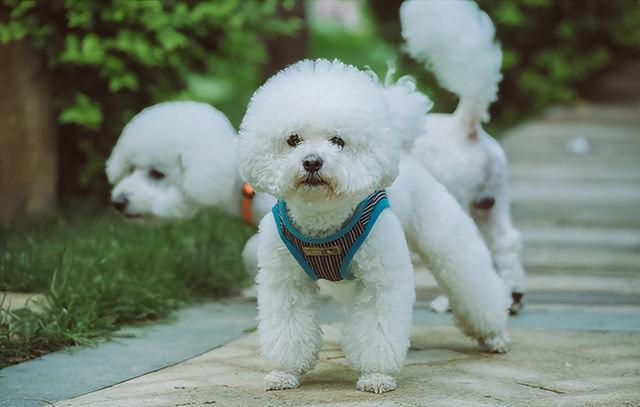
312 180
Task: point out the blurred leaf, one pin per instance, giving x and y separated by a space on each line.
83 112
125 81
71 52
92 51
508 13
171 39
79 14
20 8
12 31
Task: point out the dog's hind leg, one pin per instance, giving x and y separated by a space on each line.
451 247
504 241
494 221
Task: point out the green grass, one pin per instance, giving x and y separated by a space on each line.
98 272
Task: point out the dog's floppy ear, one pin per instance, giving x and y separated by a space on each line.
116 166
209 173
256 158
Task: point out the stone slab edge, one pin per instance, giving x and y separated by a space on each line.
132 352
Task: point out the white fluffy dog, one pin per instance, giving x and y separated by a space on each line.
174 159
322 136
161 166
456 40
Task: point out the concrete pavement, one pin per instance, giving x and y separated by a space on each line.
443 368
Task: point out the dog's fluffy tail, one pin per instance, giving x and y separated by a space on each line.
455 39
408 107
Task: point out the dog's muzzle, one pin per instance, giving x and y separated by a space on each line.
120 202
312 163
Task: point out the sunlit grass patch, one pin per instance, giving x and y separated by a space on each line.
98 272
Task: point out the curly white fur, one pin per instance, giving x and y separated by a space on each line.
456 40
317 101
194 147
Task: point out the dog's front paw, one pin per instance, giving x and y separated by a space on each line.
497 344
376 383
281 381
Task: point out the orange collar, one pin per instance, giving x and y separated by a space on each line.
247 197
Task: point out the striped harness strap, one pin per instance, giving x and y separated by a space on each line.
329 258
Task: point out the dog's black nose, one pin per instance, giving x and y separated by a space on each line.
120 202
312 163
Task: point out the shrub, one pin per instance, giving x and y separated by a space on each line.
109 59
553 48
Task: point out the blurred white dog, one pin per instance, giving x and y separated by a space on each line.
175 158
323 137
455 39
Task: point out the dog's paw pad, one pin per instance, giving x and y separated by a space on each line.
497 344
376 383
281 381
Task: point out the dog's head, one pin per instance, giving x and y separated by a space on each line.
171 160
319 130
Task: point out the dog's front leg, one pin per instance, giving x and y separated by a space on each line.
376 333
290 336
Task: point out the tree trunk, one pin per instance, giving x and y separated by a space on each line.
28 156
283 51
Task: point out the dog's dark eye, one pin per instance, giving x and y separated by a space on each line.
155 174
338 142
294 140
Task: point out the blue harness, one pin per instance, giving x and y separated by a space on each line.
329 258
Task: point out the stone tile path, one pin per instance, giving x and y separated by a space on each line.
443 369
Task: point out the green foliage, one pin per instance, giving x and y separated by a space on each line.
98 272
551 50
83 112
109 59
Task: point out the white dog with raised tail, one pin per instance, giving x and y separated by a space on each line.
327 139
455 39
